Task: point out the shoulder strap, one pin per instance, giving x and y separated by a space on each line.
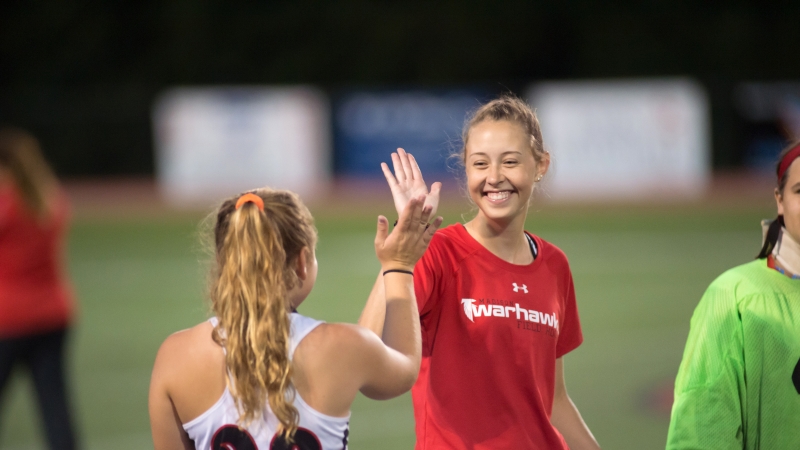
300 327
532 244
215 324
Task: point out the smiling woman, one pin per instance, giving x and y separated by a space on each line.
481 317
501 172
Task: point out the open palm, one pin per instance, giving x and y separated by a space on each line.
407 183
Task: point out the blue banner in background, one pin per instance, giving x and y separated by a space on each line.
770 120
369 125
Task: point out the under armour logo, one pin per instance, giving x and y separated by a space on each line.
523 287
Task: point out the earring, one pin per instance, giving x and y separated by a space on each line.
539 178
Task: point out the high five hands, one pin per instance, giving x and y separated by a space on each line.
407 182
406 243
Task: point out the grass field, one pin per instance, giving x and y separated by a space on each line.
639 271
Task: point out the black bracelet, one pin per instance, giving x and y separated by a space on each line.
399 271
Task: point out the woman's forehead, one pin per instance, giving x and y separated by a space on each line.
494 146
489 135
508 126
793 173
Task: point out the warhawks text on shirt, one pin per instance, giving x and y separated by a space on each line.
503 310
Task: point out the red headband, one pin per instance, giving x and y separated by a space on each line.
788 160
250 197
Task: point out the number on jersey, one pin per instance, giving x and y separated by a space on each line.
231 437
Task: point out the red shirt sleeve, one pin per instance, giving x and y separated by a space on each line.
570 335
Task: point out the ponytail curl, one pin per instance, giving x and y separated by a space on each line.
256 254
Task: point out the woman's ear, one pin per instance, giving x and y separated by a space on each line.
543 165
301 268
779 201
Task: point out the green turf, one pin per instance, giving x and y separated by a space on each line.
638 274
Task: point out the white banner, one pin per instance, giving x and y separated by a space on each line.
212 143
627 139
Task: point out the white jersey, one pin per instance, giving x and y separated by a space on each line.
217 427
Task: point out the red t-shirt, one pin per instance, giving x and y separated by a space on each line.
491 333
34 294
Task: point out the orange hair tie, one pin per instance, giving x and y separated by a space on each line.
250 197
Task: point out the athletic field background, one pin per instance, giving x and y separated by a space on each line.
639 271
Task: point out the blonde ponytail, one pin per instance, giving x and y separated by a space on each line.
256 253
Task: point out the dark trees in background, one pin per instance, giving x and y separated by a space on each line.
83 76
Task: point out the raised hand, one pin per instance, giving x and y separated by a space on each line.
409 239
407 183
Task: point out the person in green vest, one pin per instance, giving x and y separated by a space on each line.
738 386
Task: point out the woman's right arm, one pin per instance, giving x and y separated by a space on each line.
405 183
374 312
390 367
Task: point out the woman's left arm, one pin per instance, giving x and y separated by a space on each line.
567 419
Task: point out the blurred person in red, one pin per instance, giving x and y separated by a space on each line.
36 304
